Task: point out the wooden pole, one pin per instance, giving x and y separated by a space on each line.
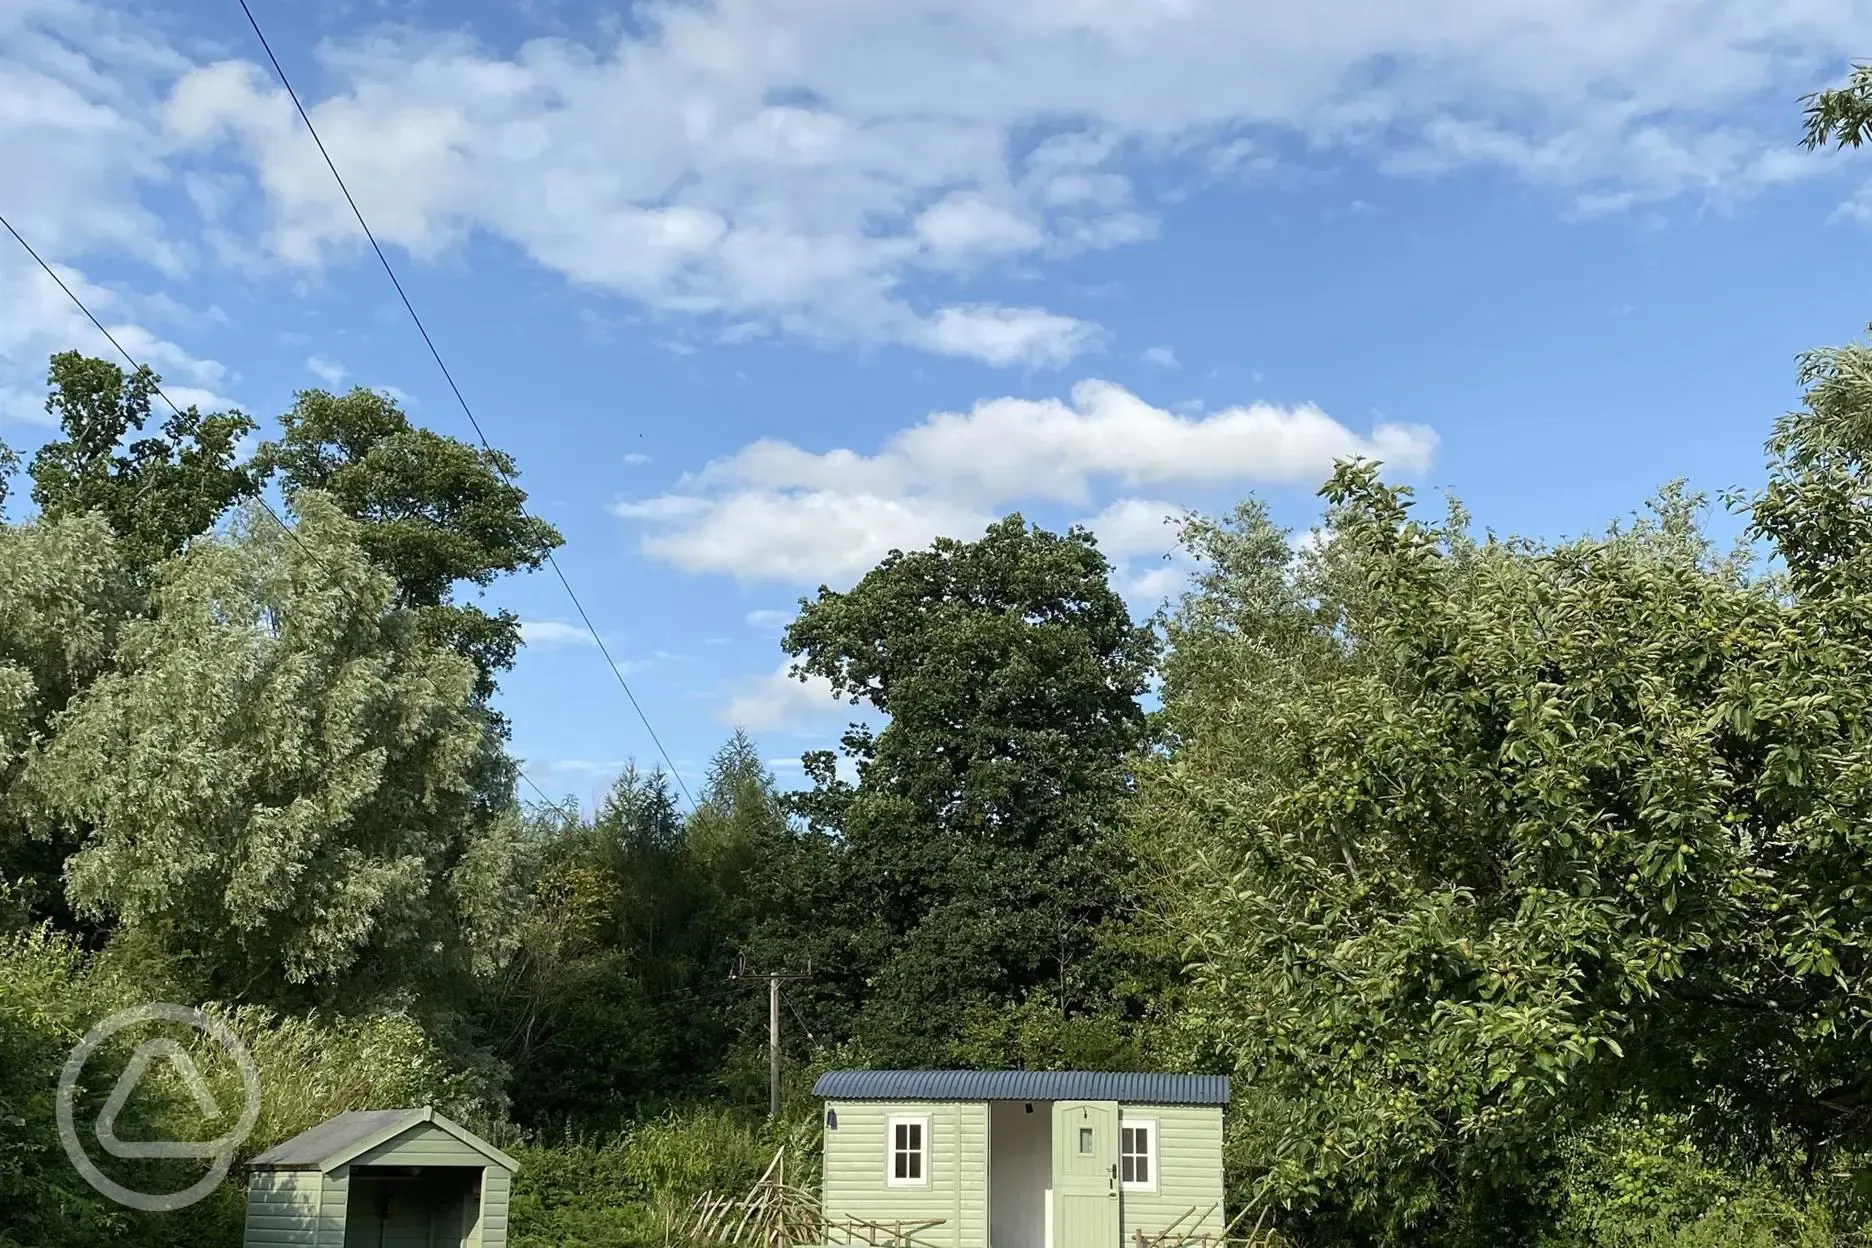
742 971
773 1046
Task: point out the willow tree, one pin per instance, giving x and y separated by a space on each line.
276 783
64 593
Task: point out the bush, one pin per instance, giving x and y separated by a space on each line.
51 993
1642 1183
633 1189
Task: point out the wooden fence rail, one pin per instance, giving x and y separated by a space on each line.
775 1214
879 1234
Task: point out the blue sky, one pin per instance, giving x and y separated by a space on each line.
757 289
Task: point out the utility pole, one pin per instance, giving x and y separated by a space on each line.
773 979
773 1046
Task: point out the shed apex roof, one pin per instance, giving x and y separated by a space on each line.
1136 1088
338 1140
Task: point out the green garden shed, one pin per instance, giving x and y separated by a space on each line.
1022 1159
387 1178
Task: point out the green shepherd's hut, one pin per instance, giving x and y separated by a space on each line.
388 1178
1022 1159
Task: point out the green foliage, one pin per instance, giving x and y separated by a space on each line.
9 464
63 596
619 1002
1841 115
276 779
978 855
1522 886
1474 842
628 1191
156 492
1640 1182
1033 1035
433 512
310 1069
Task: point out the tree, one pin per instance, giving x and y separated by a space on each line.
64 595
1841 115
156 492
432 511
277 779
977 855
618 1002
1471 842
9 464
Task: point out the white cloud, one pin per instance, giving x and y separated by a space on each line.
1137 526
544 633
78 87
778 701
798 167
38 319
635 458
1002 336
1147 587
1163 357
1048 448
792 535
330 372
1139 536
776 511
22 407
768 620
783 767
967 229
585 766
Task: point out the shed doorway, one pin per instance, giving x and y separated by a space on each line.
1020 1178
412 1207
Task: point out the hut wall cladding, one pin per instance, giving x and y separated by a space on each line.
856 1154
286 1208
335 1199
496 1195
425 1145
1189 1171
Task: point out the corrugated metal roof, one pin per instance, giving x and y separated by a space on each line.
1022 1085
309 1149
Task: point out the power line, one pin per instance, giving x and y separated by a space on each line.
801 1020
542 792
259 498
456 390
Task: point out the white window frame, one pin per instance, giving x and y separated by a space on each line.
890 1150
1149 1127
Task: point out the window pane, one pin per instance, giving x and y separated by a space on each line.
907 1152
1134 1153
1085 1139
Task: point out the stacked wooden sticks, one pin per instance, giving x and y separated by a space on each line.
775 1214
